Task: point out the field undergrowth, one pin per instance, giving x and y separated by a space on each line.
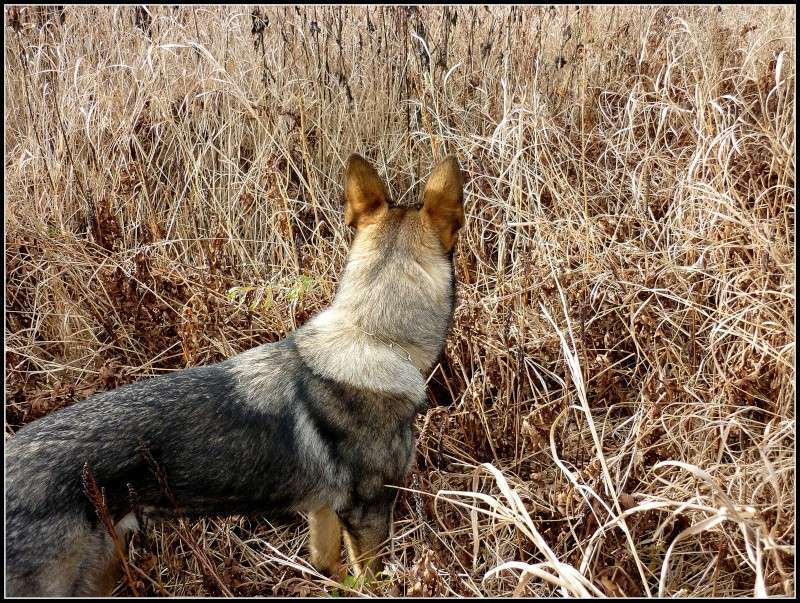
614 413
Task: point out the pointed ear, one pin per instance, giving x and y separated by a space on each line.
443 205
365 193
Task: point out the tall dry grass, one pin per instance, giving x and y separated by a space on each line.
614 413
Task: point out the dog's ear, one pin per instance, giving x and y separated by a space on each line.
365 194
443 205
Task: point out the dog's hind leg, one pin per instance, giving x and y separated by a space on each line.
101 570
326 540
64 556
44 558
101 566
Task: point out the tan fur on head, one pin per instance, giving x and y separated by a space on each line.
389 319
366 196
443 208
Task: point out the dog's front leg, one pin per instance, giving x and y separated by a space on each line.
366 530
326 540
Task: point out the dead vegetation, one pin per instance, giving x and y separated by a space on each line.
622 355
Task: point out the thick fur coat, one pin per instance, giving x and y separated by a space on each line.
320 422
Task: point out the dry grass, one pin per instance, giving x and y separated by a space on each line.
615 411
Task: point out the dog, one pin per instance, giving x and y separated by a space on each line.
318 423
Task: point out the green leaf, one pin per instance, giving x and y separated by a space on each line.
301 286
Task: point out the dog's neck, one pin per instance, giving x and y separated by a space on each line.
337 348
385 328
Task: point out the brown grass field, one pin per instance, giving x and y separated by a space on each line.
614 414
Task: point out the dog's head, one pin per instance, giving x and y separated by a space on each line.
399 274
442 213
396 297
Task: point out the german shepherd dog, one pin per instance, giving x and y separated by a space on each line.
319 423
